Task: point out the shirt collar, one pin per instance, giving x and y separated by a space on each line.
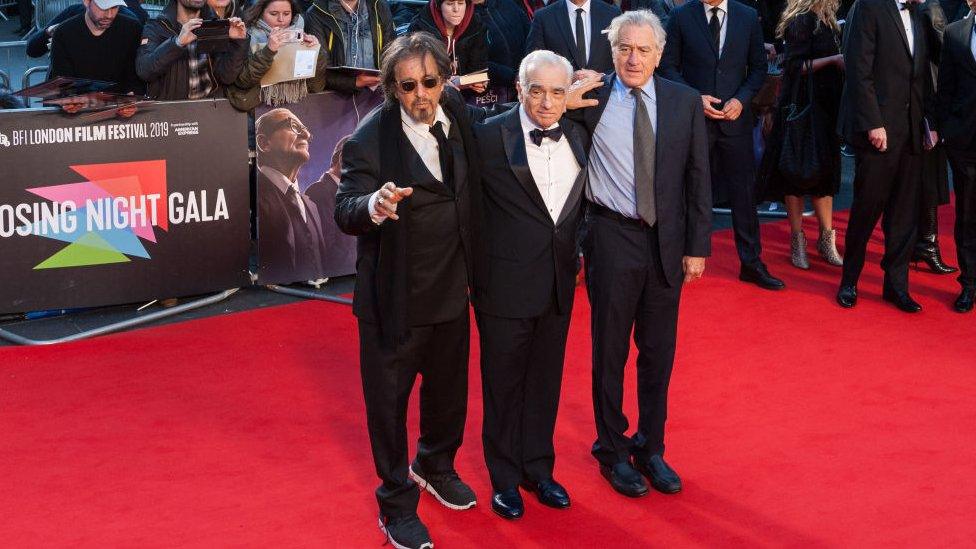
573 7
723 7
623 91
279 179
527 123
423 128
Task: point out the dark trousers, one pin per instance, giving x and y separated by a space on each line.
628 292
963 164
731 160
439 353
521 374
884 183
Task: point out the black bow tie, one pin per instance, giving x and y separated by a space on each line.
538 135
902 6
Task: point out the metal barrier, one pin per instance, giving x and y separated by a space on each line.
307 294
115 327
46 10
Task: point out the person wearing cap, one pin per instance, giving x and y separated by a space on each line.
98 45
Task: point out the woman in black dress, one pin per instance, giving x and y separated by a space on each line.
811 34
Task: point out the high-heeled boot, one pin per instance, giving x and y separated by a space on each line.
798 251
927 247
827 246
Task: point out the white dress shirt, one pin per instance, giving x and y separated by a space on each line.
283 184
552 164
571 8
723 15
424 142
906 21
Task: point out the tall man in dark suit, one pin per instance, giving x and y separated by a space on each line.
574 30
533 174
648 226
406 192
957 118
885 109
717 48
291 246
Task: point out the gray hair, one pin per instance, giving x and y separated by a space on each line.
637 18
540 58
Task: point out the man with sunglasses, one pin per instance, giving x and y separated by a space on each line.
406 192
533 175
290 242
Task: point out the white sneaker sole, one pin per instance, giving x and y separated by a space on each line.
424 485
393 542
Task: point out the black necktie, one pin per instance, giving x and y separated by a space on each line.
645 146
538 135
715 27
580 38
444 153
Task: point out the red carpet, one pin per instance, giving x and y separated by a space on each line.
793 423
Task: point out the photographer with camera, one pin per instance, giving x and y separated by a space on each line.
272 24
173 62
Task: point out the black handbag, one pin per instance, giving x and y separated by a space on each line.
799 158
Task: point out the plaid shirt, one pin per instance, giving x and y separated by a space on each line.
201 85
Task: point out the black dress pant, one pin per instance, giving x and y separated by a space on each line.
731 161
439 353
884 183
521 374
963 164
629 293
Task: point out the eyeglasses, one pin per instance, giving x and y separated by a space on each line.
429 82
293 125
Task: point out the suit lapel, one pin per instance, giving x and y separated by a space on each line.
896 19
666 125
514 143
417 171
562 19
599 44
731 20
699 17
572 201
965 40
592 115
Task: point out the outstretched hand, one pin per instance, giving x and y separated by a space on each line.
388 197
574 99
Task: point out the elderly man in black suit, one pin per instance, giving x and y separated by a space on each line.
647 232
533 174
887 117
716 47
291 245
406 192
574 30
957 118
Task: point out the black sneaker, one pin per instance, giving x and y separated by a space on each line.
406 532
446 487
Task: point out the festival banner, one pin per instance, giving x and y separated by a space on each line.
299 158
123 210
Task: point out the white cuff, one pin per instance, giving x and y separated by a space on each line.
377 217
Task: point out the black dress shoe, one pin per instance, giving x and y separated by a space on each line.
549 492
508 504
847 296
624 479
760 276
964 303
662 476
902 300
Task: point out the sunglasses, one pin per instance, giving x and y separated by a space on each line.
429 82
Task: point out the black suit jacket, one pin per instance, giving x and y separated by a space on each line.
886 86
957 87
552 31
530 257
682 181
378 152
280 237
690 58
